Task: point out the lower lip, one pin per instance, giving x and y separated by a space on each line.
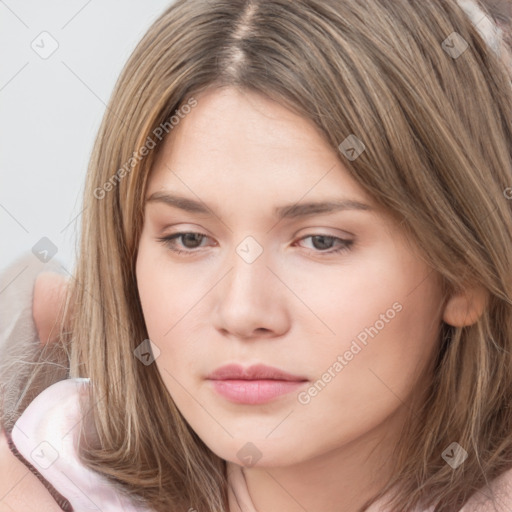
254 391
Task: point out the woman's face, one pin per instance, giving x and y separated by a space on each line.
335 297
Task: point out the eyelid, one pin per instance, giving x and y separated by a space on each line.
323 230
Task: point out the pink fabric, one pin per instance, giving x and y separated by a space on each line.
46 435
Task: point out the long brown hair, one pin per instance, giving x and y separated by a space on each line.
438 135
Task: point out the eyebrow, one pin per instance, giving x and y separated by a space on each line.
290 211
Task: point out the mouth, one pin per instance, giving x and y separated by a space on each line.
253 385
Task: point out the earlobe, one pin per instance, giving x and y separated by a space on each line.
465 307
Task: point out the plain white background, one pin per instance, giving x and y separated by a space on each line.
51 108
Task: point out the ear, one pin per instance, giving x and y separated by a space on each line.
465 307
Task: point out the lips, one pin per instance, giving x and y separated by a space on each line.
254 385
255 372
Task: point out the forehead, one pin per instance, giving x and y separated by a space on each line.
236 143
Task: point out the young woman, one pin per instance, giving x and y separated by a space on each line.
294 280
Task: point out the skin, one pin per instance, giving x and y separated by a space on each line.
295 307
20 490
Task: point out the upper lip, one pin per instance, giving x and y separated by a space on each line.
254 372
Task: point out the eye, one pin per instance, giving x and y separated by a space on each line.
324 242
189 238
192 241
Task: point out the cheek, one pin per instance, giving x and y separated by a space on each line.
386 337
385 312
372 368
167 296
388 289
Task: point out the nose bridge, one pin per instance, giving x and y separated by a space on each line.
249 275
250 298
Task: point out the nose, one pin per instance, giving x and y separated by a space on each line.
251 301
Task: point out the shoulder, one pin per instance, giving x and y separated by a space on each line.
500 489
20 490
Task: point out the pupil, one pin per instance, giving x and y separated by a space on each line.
192 237
323 239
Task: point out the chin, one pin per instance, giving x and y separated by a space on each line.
256 451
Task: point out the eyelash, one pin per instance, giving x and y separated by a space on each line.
169 242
